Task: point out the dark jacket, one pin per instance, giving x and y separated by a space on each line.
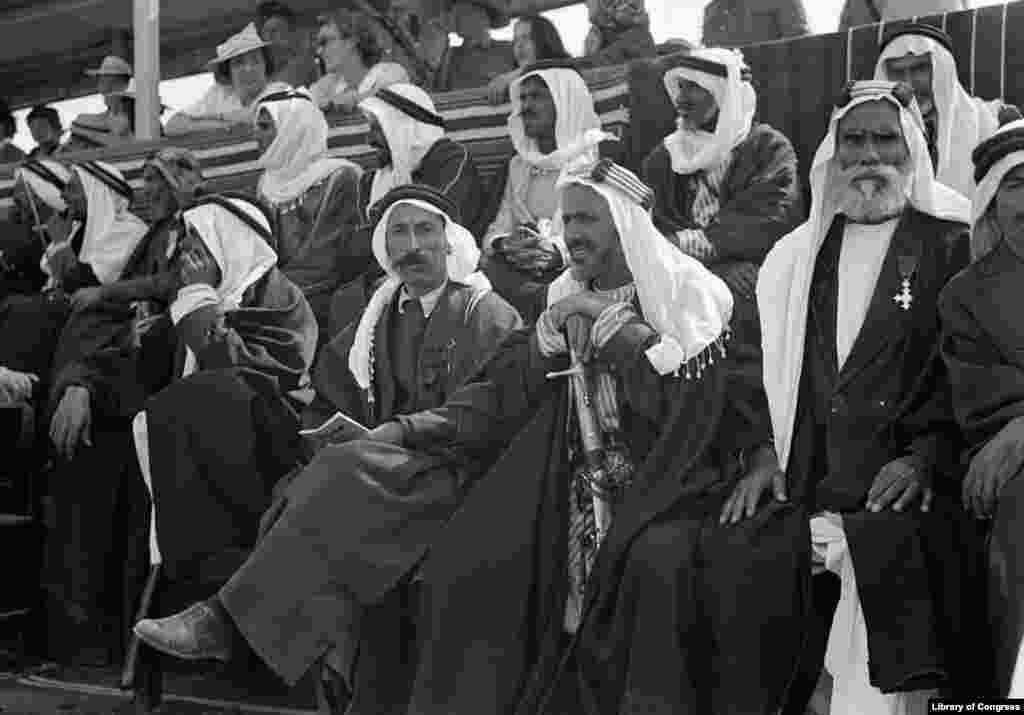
891 399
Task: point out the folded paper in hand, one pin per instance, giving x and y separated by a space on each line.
339 428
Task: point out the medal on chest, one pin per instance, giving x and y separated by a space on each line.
907 267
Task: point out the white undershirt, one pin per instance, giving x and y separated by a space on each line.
860 263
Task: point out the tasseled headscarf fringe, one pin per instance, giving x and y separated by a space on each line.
693 369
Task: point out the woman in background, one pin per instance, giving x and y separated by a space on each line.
534 38
352 55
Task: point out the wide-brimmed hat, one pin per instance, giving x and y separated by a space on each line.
245 41
112 66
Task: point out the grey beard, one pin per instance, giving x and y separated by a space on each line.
873 201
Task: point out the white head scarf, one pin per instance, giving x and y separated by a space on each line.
963 121
463 259
43 189
577 127
783 285
242 255
985 238
111 231
689 306
297 159
737 103
408 139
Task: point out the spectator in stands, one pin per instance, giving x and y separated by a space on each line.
289 46
479 58
230 309
980 346
44 123
35 222
353 60
121 119
89 131
725 187
412 148
239 329
534 38
244 62
348 526
172 179
620 31
9 153
864 432
313 198
553 122
922 56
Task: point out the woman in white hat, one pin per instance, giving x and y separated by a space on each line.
241 69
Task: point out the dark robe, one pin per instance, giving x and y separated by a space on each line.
357 520
20 252
450 168
317 240
983 346
916 573
108 324
759 203
674 620
261 353
35 322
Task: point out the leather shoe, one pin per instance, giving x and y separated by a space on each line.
197 633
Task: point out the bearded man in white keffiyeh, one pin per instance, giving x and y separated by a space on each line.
863 429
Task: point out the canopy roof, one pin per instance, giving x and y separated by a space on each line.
46 45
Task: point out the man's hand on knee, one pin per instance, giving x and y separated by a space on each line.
72 421
900 484
992 467
763 474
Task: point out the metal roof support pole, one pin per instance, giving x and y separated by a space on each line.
146 25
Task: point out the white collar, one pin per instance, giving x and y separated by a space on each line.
428 301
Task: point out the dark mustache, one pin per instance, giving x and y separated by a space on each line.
410 260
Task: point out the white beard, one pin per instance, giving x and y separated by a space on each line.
876 199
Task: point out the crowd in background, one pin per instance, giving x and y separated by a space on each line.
807 417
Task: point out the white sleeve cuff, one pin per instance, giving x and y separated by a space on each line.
191 298
665 356
550 341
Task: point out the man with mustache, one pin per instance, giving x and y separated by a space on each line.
863 430
553 122
922 56
376 506
409 137
982 350
725 187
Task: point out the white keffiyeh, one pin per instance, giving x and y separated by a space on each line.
111 231
963 120
686 304
463 258
577 126
408 139
693 151
297 159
